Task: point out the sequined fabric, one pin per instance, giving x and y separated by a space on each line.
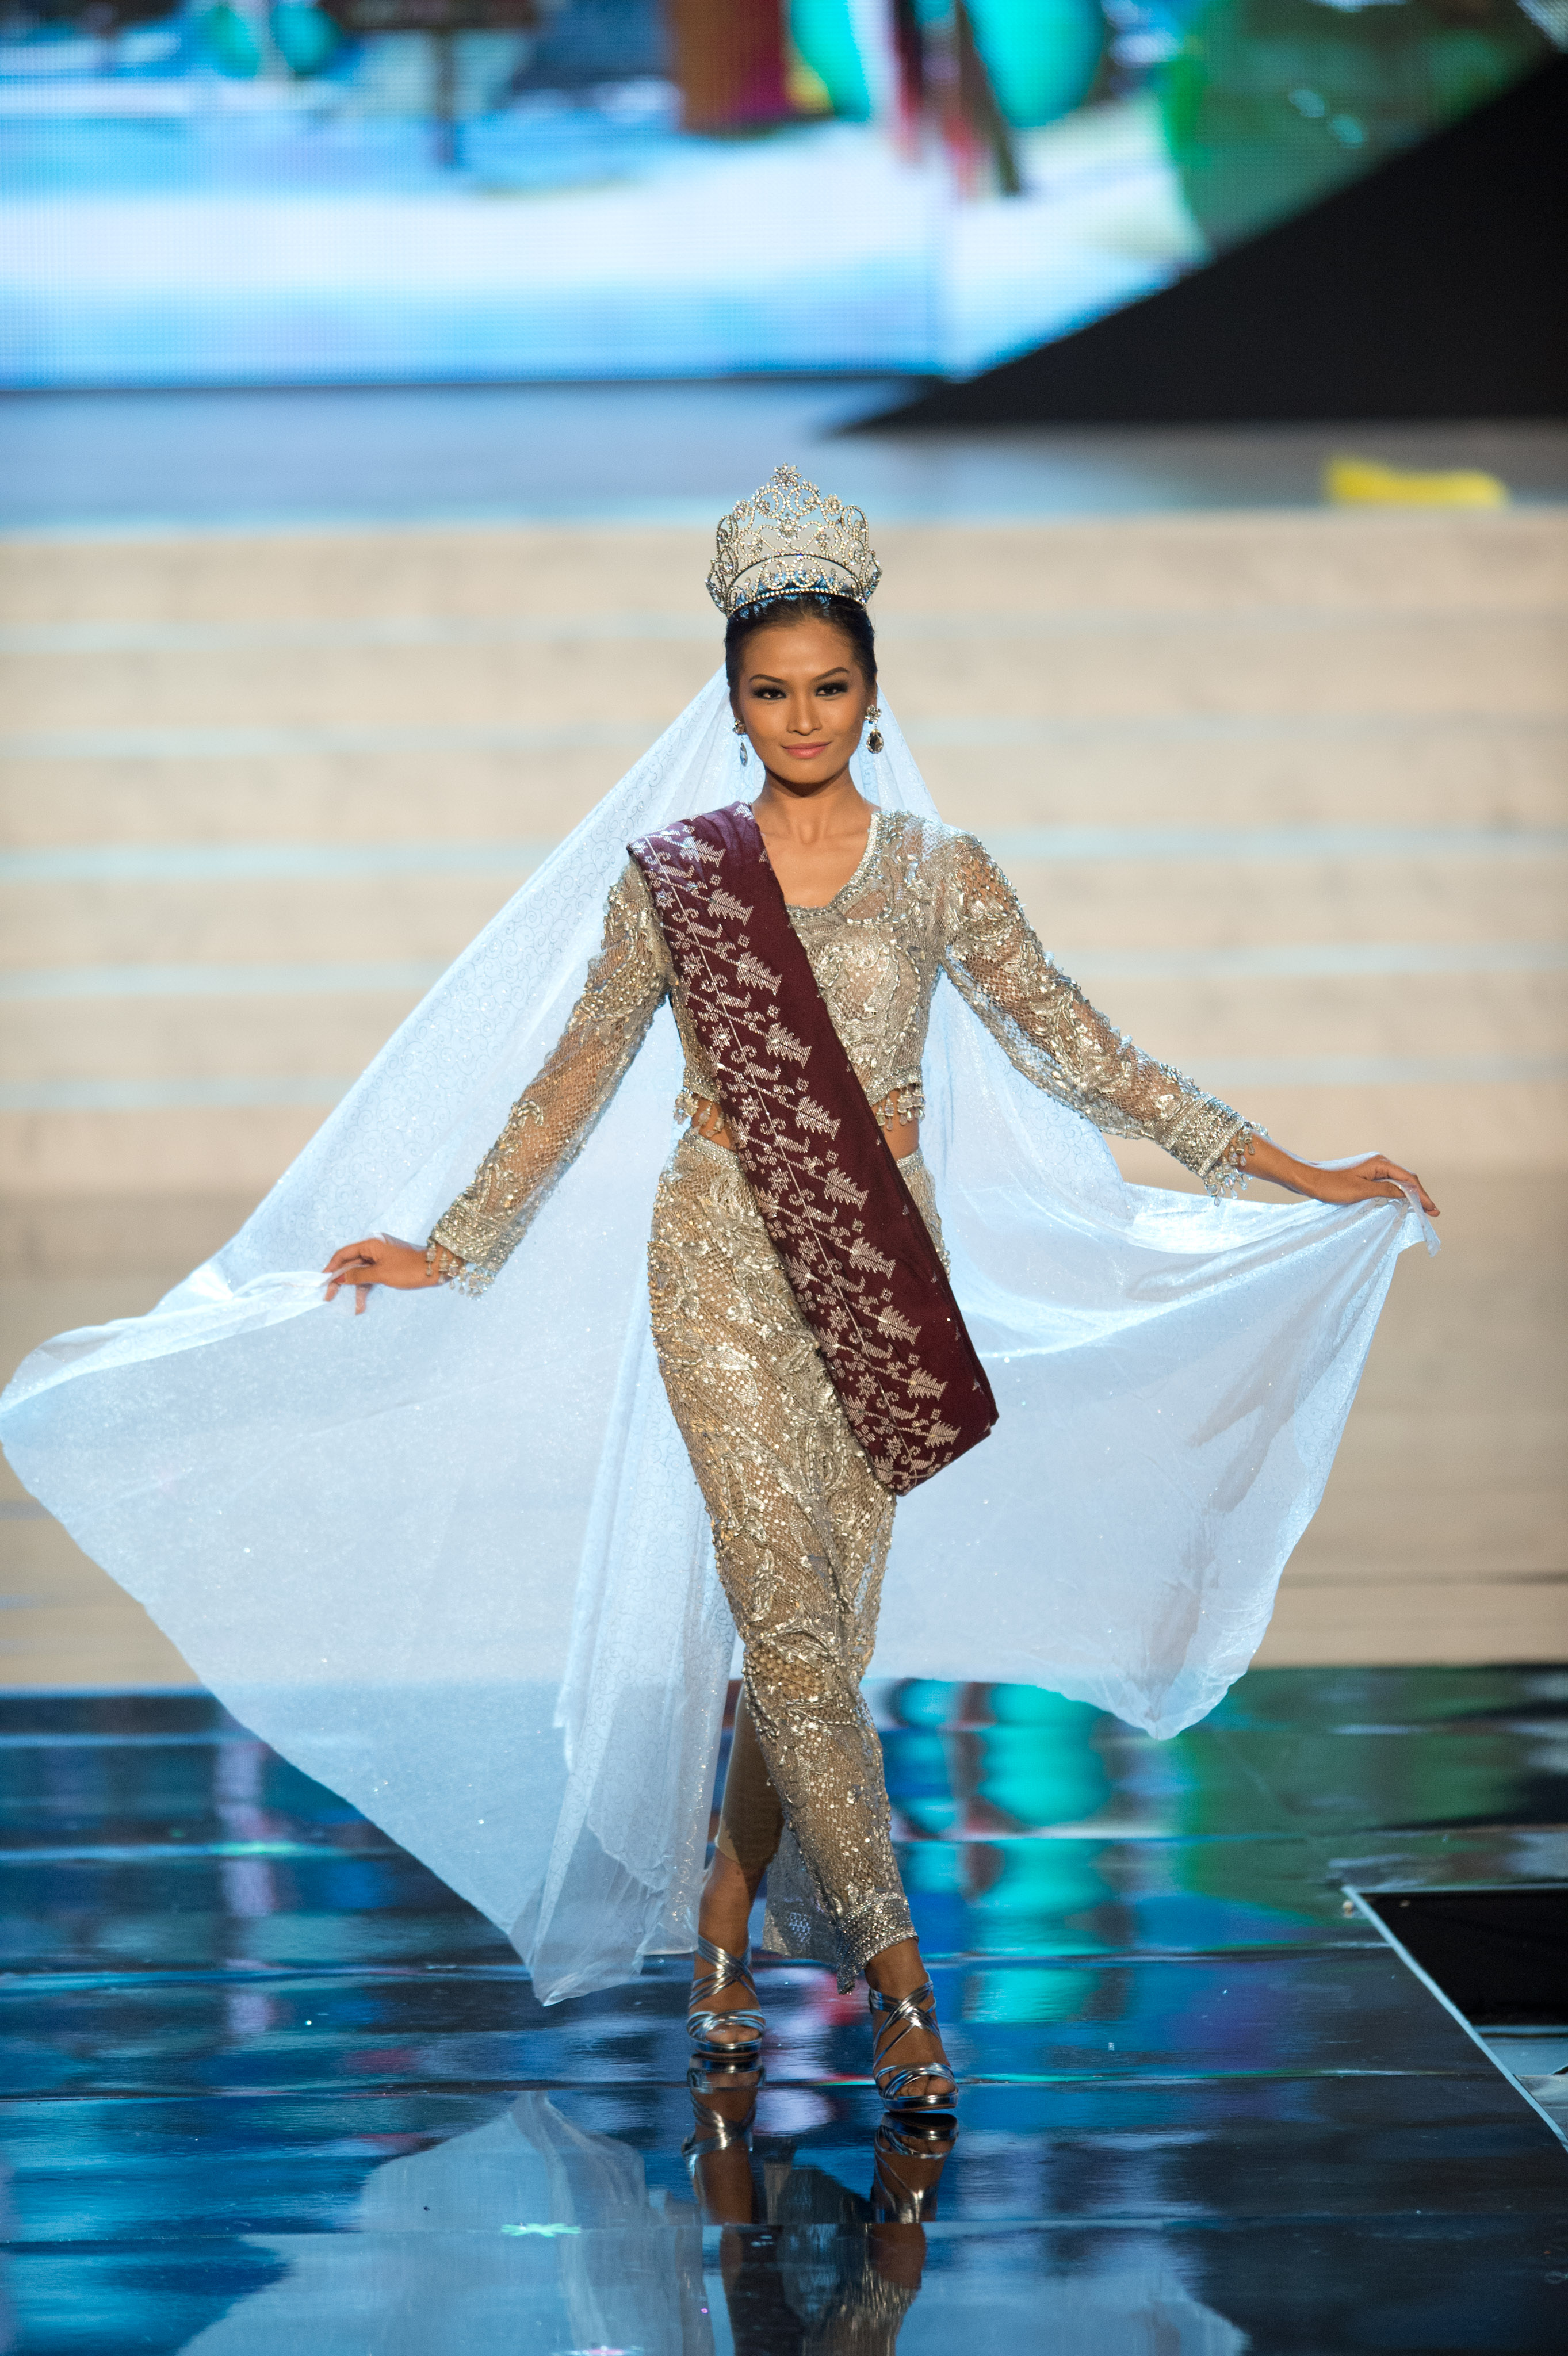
800 1525
800 1531
753 1827
862 1265
924 901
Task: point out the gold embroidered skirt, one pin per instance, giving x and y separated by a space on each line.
801 1532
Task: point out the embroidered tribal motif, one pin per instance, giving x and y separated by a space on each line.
858 1256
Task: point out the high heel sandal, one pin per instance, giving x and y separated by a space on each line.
917 2011
893 2200
728 1971
712 2129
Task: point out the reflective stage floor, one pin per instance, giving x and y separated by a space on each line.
270 2088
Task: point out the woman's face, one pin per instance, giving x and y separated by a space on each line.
802 701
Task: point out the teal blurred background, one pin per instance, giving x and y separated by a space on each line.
220 192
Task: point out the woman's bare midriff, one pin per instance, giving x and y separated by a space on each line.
903 1136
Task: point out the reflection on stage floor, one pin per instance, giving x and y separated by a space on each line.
270 2088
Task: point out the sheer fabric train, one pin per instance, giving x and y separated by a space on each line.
450 1559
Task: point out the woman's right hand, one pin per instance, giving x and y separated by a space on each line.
377 1259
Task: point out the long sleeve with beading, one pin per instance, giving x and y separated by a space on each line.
1057 1039
552 1120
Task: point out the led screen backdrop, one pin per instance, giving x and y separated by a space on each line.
307 192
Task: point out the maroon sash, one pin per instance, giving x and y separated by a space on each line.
859 1256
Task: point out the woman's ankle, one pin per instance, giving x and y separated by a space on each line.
897 1971
737 1943
724 1914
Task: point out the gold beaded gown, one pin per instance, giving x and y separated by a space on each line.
800 1527
509 1647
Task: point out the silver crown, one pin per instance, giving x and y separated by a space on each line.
788 541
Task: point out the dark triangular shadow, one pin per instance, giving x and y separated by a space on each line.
1436 287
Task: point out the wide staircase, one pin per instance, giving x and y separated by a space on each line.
1286 791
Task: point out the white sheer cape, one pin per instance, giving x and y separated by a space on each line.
450 1559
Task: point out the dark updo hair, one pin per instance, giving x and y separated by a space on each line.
845 614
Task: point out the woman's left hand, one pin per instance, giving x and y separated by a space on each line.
379 1259
1365 1182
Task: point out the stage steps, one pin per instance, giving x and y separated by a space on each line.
1286 790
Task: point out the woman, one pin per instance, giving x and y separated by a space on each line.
461 1560
798 1495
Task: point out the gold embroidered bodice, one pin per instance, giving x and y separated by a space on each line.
924 901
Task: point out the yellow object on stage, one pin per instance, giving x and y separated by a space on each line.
1363 483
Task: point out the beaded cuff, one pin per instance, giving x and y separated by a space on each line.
1228 1173
689 1105
475 1250
442 1264
901 1104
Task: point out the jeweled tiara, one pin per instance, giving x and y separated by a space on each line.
788 541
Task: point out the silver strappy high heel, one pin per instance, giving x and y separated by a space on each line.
915 2012
714 2129
894 2200
726 1971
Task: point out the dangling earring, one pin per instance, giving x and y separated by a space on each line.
874 742
739 730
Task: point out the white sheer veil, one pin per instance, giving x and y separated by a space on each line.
450 1558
